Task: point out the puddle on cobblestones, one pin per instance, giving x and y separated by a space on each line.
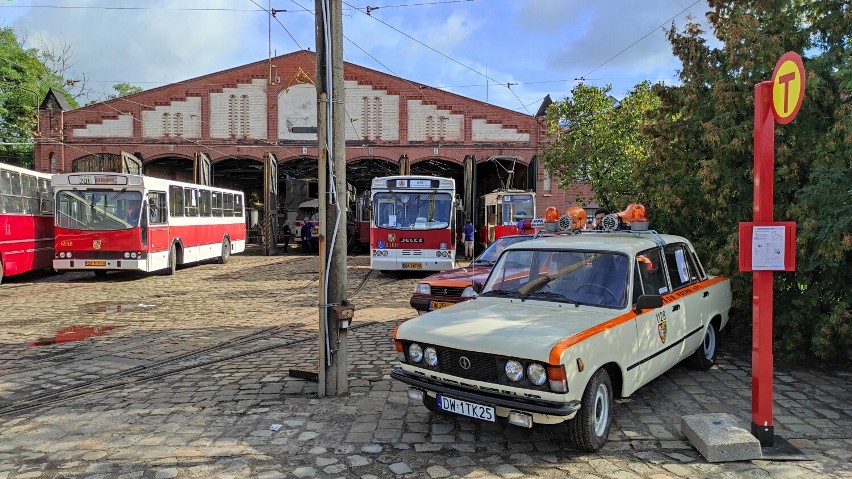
73 333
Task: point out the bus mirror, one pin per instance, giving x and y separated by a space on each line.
45 202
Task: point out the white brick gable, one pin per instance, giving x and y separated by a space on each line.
428 123
481 130
121 127
180 119
239 112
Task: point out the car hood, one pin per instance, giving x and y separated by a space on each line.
460 275
508 327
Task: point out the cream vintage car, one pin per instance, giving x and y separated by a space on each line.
562 325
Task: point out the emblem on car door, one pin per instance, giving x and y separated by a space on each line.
464 362
662 329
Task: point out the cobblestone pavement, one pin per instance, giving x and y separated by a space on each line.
195 372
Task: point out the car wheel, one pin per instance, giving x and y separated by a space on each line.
226 251
705 356
589 428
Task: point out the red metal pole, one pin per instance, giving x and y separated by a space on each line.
761 351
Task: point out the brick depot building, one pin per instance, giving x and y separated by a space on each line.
238 117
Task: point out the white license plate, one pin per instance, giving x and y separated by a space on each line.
464 408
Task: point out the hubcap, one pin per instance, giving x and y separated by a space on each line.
710 343
601 410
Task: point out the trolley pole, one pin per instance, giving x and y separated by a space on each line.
334 310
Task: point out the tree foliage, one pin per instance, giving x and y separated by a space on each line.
703 143
598 139
124 89
24 82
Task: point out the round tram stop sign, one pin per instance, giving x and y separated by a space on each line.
788 87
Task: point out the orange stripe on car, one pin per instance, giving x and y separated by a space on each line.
561 346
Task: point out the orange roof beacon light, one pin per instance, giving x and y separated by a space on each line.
551 218
634 215
574 219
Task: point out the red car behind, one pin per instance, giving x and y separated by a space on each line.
456 285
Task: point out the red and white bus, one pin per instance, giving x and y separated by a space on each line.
26 221
120 222
413 223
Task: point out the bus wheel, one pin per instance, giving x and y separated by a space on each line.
226 251
172 267
100 273
1 270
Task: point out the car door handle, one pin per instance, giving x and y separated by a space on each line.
675 307
706 293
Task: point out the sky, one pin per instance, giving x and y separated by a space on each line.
510 53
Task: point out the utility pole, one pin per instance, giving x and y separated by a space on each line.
334 309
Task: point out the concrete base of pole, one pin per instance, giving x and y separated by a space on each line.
719 438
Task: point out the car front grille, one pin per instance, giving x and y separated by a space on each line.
446 291
468 365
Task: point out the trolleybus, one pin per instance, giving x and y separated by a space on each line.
26 221
120 222
413 223
501 211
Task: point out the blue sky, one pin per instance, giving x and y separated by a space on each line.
474 48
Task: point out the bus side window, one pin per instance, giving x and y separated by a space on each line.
46 202
238 205
205 206
176 201
190 196
29 194
228 206
10 188
157 207
217 203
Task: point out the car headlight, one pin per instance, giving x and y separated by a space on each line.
514 370
469 293
422 288
536 374
431 356
415 352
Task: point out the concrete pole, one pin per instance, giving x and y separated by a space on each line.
333 378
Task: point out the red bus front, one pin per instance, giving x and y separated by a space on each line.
98 229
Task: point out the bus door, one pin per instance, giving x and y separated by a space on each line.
155 230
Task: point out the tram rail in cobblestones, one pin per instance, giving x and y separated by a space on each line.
91 387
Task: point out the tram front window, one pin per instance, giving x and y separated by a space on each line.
412 210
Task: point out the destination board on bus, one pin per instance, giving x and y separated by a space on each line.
412 183
97 180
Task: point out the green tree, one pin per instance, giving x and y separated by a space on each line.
700 176
596 138
124 89
24 81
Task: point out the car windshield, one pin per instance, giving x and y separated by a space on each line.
98 209
579 277
492 252
412 211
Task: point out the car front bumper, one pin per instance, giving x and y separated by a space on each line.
533 406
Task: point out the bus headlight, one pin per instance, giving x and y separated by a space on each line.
536 374
415 352
514 370
62 254
68 254
422 288
126 255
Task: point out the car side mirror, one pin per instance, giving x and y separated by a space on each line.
648 301
477 287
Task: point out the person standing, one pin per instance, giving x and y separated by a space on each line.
467 231
286 233
306 236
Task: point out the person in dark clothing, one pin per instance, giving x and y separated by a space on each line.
306 236
286 233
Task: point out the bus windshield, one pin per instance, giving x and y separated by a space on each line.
407 210
516 208
98 209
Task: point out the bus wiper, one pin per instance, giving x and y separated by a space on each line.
552 295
